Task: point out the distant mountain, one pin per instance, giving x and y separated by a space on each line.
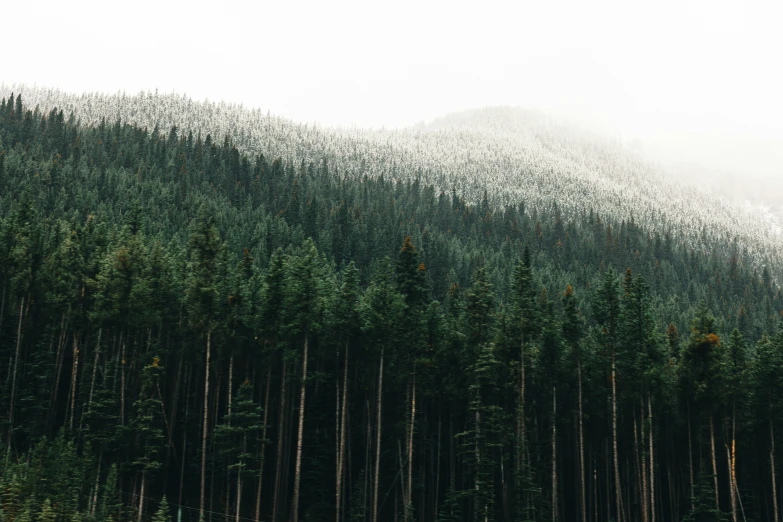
512 155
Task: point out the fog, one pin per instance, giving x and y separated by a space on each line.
695 85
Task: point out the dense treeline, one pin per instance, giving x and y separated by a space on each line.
188 331
509 154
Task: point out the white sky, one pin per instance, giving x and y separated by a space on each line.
698 80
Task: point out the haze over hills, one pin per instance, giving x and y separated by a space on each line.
515 155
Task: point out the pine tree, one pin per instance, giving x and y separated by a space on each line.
205 307
606 309
701 375
572 333
382 309
148 432
47 513
162 514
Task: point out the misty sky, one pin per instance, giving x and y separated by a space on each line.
698 81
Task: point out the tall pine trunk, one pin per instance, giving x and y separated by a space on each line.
239 479
280 432
142 494
74 375
94 371
520 457
2 307
13 379
58 368
690 455
230 381
772 470
298 469
205 428
97 483
581 444
554 453
437 473
644 499
263 445
122 380
377 443
618 490
228 471
732 456
652 462
714 464
409 497
341 448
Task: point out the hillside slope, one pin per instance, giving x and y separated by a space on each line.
515 155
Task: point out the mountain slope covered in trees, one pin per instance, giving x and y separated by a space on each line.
509 154
190 329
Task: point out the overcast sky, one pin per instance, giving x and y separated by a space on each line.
701 81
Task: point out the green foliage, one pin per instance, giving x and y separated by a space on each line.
124 248
162 514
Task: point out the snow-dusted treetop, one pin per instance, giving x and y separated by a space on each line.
515 155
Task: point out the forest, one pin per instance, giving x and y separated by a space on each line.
192 332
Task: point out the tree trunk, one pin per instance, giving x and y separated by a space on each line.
230 381
177 387
206 426
618 491
644 499
437 473
57 371
94 372
122 380
341 449
182 465
401 474
732 456
367 462
521 414
732 497
554 453
409 496
74 375
337 434
690 455
228 471
13 378
714 464
215 408
581 444
280 432
239 479
652 462
2 307
141 494
378 443
97 482
772 470
263 444
298 469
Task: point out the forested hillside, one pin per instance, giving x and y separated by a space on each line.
190 330
508 154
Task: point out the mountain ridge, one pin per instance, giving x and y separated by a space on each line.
510 154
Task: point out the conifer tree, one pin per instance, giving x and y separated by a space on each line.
162 514
572 333
205 306
382 309
148 432
606 310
